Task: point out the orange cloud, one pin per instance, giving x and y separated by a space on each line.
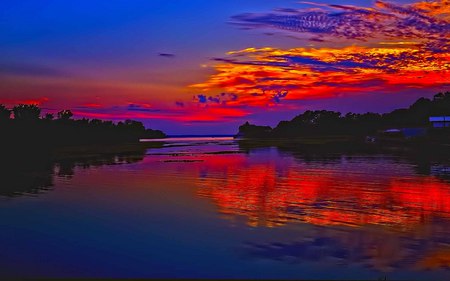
422 21
393 47
257 75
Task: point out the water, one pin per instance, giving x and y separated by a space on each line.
189 139
211 208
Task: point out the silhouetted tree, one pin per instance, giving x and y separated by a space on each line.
134 124
25 112
5 113
253 131
65 114
441 103
323 122
49 116
47 132
95 122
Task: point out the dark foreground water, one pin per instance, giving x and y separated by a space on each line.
211 209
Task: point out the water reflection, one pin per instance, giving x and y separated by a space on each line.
374 210
293 209
32 177
347 191
372 248
32 173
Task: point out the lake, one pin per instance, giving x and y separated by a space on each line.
213 208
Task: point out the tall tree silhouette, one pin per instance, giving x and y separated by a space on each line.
65 114
26 112
5 113
49 116
442 101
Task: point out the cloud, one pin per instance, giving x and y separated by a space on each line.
187 113
141 107
201 98
279 96
425 21
394 47
258 76
13 102
222 98
166 55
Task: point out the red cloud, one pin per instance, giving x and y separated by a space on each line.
12 102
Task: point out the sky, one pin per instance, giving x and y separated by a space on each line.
205 67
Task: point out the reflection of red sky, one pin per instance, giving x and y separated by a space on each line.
437 259
334 198
262 190
266 191
427 196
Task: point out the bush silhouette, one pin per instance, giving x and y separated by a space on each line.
26 112
65 114
49 116
5 113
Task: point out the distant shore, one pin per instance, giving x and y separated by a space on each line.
49 132
422 124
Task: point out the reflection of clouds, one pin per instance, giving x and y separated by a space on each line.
441 171
435 259
371 211
381 251
353 193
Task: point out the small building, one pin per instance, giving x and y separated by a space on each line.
440 121
406 133
398 136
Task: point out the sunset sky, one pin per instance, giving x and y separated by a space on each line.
205 67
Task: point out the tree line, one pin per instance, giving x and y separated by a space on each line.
323 122
24 124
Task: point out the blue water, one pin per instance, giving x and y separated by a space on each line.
211 209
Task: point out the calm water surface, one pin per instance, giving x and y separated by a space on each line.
206 208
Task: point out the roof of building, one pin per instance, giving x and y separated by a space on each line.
439 118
